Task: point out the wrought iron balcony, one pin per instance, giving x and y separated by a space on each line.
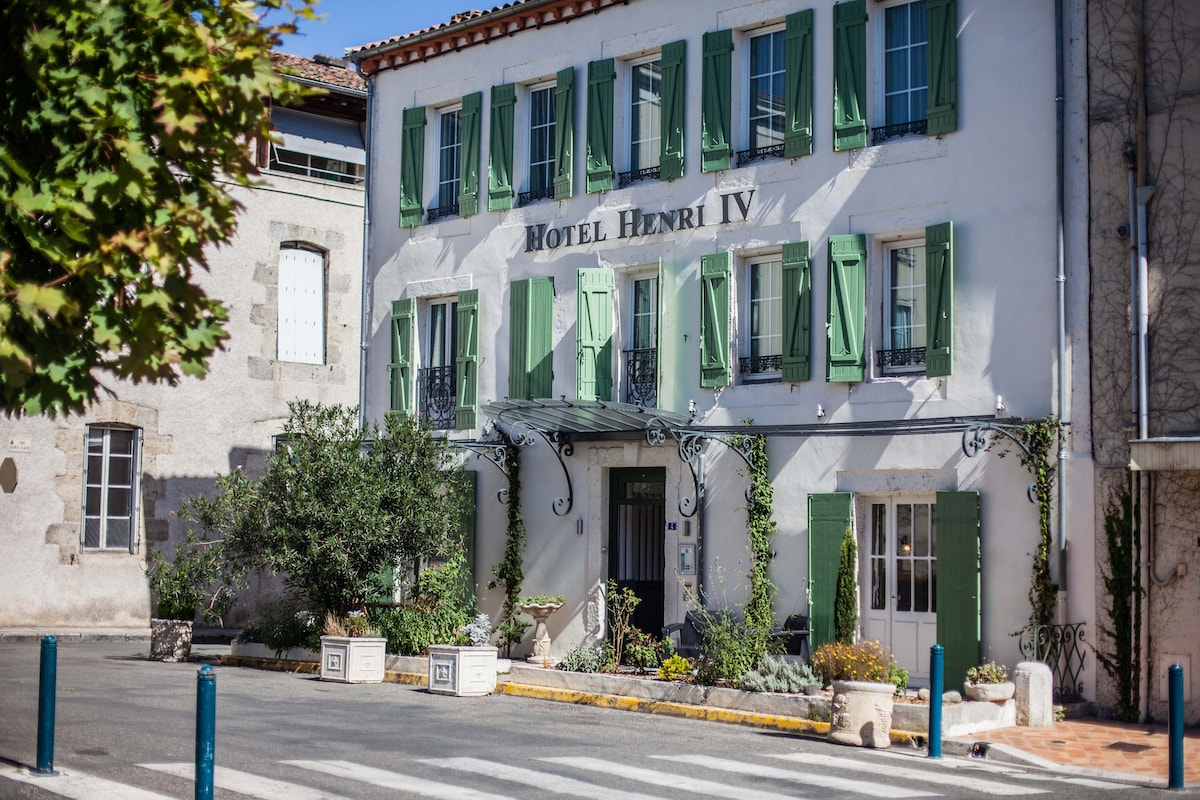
907 357
745 157
760 365
641 377
442 211
633 176
436 396
533 195
917 127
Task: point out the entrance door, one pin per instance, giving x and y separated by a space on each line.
901 581
636 558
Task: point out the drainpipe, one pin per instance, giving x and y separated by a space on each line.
1064 413
364 302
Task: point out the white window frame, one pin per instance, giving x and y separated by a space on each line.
886 335
774 304
449 205
656 118
878 53
550 89
300 304
748 106
98 490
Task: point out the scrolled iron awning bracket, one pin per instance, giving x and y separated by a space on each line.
975 441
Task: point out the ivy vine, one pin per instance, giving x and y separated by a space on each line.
759 610
1041 438
509 573
1122 585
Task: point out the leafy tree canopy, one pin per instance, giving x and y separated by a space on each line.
120 124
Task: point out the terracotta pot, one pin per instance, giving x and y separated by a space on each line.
861 714
991 692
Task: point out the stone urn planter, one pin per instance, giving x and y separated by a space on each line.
861 713
352 659
990 692
541 636
170 639
462 671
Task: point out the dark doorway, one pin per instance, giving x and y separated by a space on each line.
636 560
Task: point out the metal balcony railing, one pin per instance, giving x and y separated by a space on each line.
436 396
641 377
1061 648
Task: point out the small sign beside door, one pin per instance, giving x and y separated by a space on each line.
687 559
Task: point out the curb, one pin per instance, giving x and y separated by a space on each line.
71 637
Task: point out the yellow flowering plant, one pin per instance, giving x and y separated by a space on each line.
862 661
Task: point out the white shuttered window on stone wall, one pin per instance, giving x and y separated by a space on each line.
301 316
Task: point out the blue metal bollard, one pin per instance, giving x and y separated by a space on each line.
206 731
937 657
1175 727
46 696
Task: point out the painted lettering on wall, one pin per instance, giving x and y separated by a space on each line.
632 222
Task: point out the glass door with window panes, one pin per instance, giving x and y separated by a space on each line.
641 357
435 382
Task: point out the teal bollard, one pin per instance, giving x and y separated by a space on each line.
46 696
206 730
1175 727
937 659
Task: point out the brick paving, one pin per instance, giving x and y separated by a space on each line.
1136 750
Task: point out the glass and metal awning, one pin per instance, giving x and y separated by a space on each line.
581 419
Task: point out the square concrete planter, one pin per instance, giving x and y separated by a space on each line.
352 659
462 671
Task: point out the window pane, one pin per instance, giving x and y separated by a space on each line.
645 121
120 471
541 139
91 501
904 584
906 320
120 441
450 150
766 90
905 81
118 502
878 529
921 530
920 585
878 583
116 533
91 533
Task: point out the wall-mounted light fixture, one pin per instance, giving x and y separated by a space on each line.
905 545
820 411
999 404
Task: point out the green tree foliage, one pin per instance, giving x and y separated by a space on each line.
760 611
845 604
120 124
340 502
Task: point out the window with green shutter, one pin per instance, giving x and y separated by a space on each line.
847 288
400 369
500 148
564 134
716 105
849 75
594 330
466 361
797 312
829 515
601 75
918 311
531 334
674 100
470 120
798 108
714 320
942 108
958 595
920 70
412 167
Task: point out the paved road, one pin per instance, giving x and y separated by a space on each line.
126 730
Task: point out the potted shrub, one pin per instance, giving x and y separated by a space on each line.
863 678
540 607
989 682
197 578
351 650
466 668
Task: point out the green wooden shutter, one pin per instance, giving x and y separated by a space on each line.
714 320
798 84
412 167
939 299
829 515
958 620
847 296
593 327
716 105
849 75
564 134
466 361
797 312
470 120
942 56
500 148
467 525
670 162
531 330
601 75
400 372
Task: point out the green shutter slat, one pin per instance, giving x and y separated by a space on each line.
798 84
564 134
939 299
466 361
500 148
412 166
601 75
942 62
828 517
847 297
716 104
467 525
400 371
471 123
714 320
958 596
849 75
518 340
670 162
797 312
531 370
593 325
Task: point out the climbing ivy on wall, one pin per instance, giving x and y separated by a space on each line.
760 612
1041 437
509 573
1122 586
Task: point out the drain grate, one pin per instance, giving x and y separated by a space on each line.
1129 747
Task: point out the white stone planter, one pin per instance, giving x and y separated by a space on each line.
462 671
352 659
990 692
170 640
861 713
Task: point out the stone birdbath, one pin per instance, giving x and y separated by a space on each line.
540 608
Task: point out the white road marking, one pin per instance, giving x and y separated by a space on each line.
681 783
549 783
246 783
79 785
802 778
907 773
392 780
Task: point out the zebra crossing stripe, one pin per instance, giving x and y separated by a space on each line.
79 785
907 773
549 783
681 783
246 783
803 778
392 780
